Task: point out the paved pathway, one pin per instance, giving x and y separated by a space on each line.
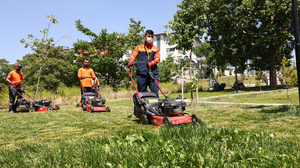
232 103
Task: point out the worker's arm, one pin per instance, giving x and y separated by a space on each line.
156 58
133 56
8 78
22 79
79 74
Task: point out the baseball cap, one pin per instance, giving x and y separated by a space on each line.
18 65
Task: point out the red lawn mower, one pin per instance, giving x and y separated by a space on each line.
24 105
152 110
93 102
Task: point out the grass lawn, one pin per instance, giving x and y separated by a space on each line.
229 136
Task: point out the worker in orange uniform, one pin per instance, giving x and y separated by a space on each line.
15 79
84 72
147 53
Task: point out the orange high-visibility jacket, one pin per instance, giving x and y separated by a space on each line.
142 53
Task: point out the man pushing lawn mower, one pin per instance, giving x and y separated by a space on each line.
15 79
84 72
150 54
147 105
86 84
91 99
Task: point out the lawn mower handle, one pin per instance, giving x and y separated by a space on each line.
150 74
89 77
23 92
139 62
95 86
17 92
137 91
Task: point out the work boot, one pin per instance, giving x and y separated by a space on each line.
15 108
11 109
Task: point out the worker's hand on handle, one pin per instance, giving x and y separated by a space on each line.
12 83
22 91
130 63
149 64
83 77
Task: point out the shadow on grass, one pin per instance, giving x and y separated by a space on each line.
247 89
274 109
279 109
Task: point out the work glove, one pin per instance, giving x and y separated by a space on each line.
82 77
94 78
12 83
149 65
21 83
130 63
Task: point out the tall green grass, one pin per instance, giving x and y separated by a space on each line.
195 145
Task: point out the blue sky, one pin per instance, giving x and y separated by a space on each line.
20 18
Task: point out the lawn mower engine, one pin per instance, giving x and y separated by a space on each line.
45 105
170 107
97 101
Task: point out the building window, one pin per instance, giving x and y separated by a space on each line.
158 42
168 39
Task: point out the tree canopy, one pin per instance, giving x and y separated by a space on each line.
42 48
59 69
5 68
106 50
261 30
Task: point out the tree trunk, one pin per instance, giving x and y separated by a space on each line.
37 85
273 76
287 92
259 86
192 97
